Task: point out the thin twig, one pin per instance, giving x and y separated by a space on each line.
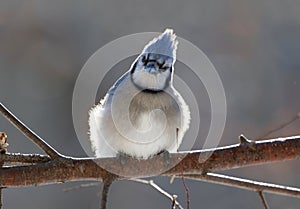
173 206
29 133
159 189
280 127
106 186
245 184
263 200
186 191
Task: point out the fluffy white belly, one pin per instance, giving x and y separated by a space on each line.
143 138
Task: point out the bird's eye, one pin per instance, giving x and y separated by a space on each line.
161 65
164 66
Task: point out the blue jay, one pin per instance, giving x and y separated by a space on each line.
142 114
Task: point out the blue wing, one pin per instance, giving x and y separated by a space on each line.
112 89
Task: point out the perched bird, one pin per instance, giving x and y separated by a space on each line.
142 114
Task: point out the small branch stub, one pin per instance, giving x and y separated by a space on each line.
3 142
174 201
247 142
263 200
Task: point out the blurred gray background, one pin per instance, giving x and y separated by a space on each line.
254 45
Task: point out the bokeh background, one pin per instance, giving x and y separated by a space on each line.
254 45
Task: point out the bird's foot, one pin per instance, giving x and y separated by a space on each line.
165 155
123 158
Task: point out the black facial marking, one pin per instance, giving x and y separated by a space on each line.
160 65
133 68
152 91
145 59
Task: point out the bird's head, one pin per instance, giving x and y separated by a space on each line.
153 69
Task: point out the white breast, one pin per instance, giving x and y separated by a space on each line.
150 125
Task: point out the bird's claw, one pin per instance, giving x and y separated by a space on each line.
166 156
123 158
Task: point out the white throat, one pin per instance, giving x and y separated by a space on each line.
151 81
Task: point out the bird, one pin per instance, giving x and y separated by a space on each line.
142 114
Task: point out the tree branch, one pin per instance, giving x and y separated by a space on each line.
29 133
222 158
187 192
106 185
174 197
263 200
160 190
245 184
239 155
